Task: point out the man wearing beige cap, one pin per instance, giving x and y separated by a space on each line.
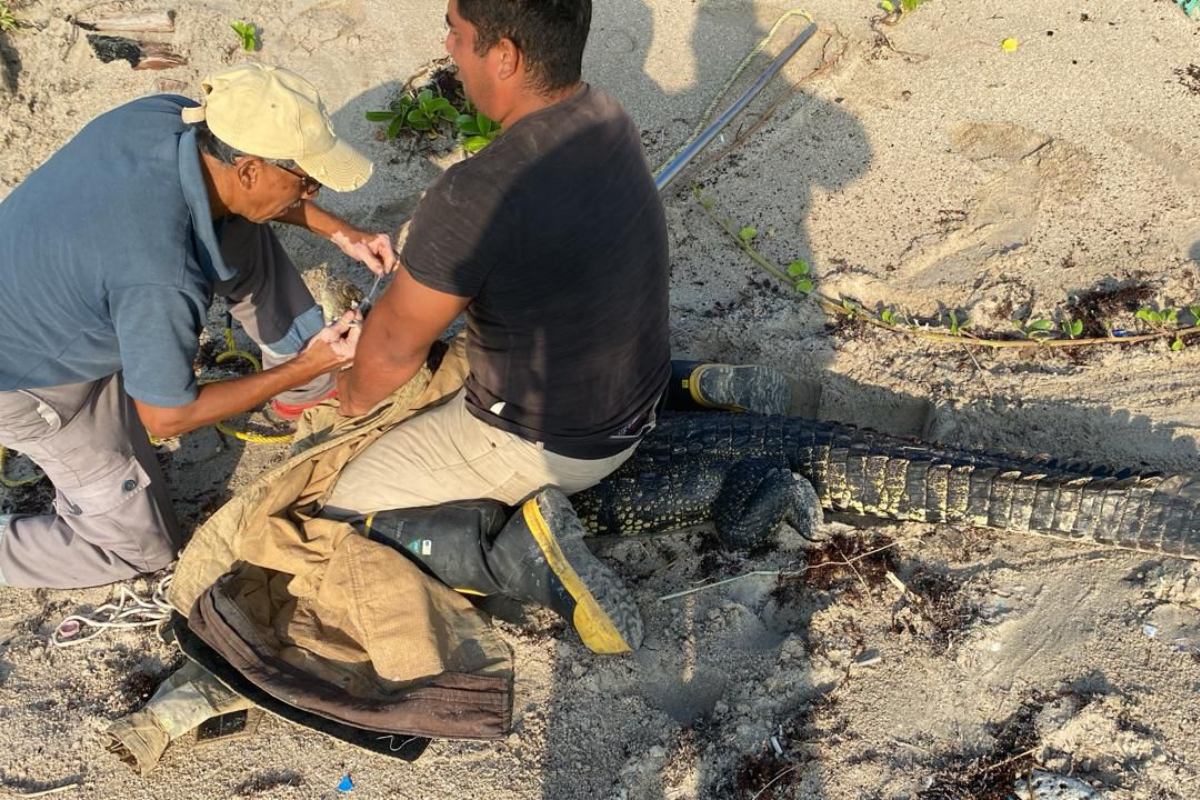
110 254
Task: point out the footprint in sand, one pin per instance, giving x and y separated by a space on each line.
1030 169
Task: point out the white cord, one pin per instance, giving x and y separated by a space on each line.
130 611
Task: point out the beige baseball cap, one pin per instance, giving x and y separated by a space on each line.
274 113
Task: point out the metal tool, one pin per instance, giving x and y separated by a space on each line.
370 298
676 165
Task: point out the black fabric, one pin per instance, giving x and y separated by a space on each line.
556 232
405 748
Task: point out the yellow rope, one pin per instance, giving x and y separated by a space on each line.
737 73
232 352
13 483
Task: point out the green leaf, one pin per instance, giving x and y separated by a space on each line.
887 6
396 126
804 286
910 5
1171 315
425 97
747 234
888 317
1040 325
380 116
486 125
247 33
476 143
1146 315
418 121
797 268
1177 345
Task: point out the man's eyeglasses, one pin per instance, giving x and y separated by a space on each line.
309 185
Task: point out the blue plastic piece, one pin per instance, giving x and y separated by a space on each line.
346 785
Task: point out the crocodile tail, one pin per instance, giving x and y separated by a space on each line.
867 472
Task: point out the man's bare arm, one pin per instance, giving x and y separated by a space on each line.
396 337
330 349
372 249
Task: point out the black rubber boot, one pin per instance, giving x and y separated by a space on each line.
535 556
698 385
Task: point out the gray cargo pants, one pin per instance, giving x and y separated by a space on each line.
113 517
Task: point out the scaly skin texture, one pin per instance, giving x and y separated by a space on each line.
727 467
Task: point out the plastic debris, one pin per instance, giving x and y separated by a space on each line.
1009 45
1049 786
1188 6
1149 630
345 784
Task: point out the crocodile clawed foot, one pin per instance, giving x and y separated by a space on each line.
759 496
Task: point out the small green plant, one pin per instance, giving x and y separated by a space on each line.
429 110
798 270
904 5
1072 328
424 111
8 21
748 234
1177 345
1035 329
248 33
957 326
888 316
1158 319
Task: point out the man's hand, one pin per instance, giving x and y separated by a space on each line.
334 345
373 249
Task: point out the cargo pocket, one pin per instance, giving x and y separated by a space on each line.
25 417
102 496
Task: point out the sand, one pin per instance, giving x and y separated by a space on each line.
917 167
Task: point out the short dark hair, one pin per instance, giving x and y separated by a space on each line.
550 34
208 142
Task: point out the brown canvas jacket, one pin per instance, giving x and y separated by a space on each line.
324 620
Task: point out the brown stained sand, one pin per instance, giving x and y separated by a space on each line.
935 173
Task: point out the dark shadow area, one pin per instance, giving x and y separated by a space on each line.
10 63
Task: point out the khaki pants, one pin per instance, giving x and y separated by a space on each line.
446 454
112 511
113 517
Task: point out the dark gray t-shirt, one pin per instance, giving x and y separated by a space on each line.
108 256
556 232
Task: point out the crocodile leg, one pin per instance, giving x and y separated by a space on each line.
758 495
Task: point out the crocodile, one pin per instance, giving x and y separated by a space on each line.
748 473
